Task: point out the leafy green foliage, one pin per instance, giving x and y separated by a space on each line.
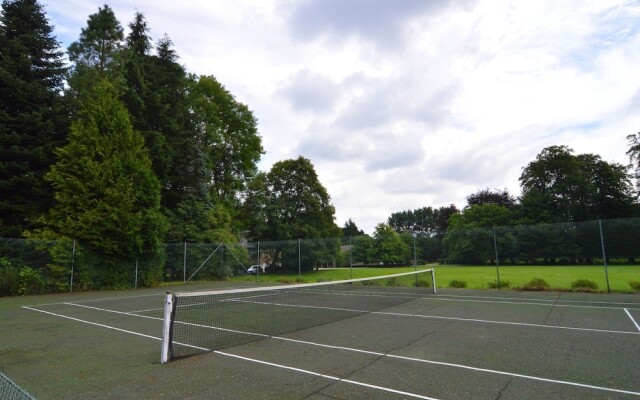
559 186
388 246
30 281
9 278
635 285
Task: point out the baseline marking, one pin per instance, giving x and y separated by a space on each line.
632 320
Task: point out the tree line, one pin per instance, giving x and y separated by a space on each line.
563 195
122 149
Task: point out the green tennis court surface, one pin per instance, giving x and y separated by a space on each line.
449 345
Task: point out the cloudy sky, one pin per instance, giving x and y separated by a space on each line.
402 104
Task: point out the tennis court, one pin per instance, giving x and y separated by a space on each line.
412 344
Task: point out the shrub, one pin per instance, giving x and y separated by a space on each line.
30 281
9 278
635 285
456 283
584 284
494 284
421 283
536 284
392 282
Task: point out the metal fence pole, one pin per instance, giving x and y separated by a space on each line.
136 282
350 259
184 264
604 257
495 247
415 257
73 264
299 259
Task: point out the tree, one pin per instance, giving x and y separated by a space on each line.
298 206
388 246
33 117
99 42
561 187
634 156
470 237
295 206
107 195
351 229
426 220
229 137
488 196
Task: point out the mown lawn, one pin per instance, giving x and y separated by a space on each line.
479 277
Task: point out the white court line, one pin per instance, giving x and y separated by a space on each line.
330 377
387 313
536 299
484 321
632 320
92 323
472 299
460 366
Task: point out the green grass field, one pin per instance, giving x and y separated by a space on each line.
480 277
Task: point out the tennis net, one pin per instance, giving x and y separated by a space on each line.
198 322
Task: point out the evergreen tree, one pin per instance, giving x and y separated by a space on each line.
106 192
95 55
33 119
99 42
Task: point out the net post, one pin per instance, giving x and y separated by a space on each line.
169 308
433 280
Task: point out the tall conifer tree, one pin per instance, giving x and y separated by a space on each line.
33 119
106 192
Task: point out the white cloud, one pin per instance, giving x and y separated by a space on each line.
406 104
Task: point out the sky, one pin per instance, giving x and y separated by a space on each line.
404 104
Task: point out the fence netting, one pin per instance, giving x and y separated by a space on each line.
29 266
10 391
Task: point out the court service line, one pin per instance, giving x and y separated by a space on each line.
461 366
330 377
632 320
425 316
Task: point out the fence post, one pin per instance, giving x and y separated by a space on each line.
604 256
495 247
136 282
350 259
73 264
184 264
415 257
299 260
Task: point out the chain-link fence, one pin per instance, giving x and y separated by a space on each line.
39 266
10 391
